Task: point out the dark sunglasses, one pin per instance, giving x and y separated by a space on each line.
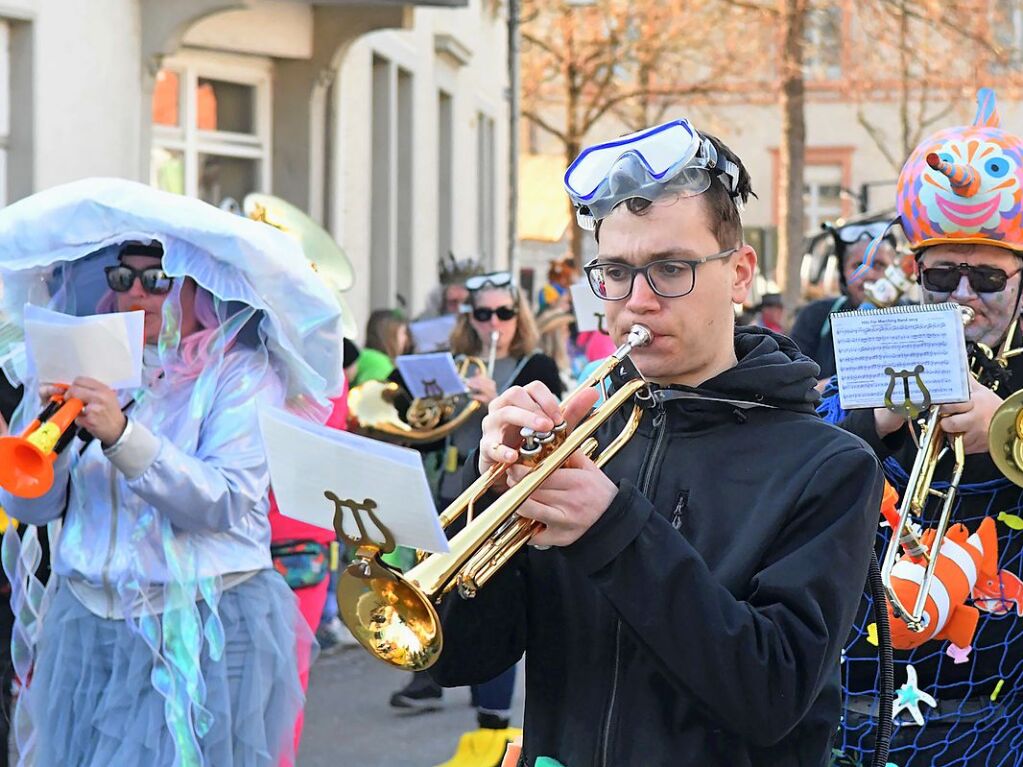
154 280
504 313
982 279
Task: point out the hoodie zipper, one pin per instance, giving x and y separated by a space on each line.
646 475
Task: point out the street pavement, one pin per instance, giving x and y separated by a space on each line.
348 722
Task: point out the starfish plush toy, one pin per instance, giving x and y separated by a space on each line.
909 697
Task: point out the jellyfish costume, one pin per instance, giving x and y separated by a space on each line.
163 635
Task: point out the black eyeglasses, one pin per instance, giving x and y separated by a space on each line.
504 313
982 279
120 278
670 278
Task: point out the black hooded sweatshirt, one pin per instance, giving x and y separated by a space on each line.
699 621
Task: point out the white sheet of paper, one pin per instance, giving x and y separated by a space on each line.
589 310
107 347
430 375
900 338
307 460
434 334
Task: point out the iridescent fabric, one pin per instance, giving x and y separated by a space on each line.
162 550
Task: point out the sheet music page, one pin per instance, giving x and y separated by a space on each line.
892 351
107 347
430 375
307 460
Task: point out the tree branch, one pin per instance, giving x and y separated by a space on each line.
543 125
752 6
878 138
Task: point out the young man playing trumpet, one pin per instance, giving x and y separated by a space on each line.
687 605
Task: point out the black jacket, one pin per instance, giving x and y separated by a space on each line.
10 396
811 332
700 620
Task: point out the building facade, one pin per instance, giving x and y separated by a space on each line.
386 121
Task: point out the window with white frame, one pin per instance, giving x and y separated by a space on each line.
486 192
211 128
823 50
822 195
1007 30
5 105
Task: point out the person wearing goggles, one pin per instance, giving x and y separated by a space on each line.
812 327
957 205
690 604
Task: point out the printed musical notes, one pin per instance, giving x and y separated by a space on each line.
902 339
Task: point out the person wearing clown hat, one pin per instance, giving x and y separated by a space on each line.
959 202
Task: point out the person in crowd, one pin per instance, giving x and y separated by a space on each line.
691 603
771 312
165 636
811 330
387 337
955 706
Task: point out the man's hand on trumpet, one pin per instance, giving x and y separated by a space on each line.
573 497
101 416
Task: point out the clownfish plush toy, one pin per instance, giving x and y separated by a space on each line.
963 560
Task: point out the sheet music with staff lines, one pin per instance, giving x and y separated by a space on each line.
892 351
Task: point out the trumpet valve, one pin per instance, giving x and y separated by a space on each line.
531 447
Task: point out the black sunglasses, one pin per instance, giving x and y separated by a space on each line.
154 280
504 313
982 279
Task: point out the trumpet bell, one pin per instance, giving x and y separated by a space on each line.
1005 438
388 616
25 470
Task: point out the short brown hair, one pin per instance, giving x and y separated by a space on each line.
720 204
465 340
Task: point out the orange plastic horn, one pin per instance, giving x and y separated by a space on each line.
26 462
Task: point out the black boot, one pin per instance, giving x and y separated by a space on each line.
421 693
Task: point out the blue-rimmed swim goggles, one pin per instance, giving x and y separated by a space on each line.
672 157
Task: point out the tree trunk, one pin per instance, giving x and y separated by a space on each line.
576 235
792 155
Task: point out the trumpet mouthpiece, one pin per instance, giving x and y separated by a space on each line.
639 335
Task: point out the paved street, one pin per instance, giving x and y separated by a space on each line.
349 724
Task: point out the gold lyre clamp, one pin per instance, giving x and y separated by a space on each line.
366 546
908 409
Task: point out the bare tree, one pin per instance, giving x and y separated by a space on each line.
928 58
622 59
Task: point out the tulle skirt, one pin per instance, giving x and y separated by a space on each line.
93 703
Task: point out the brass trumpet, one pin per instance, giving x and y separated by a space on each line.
393 615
